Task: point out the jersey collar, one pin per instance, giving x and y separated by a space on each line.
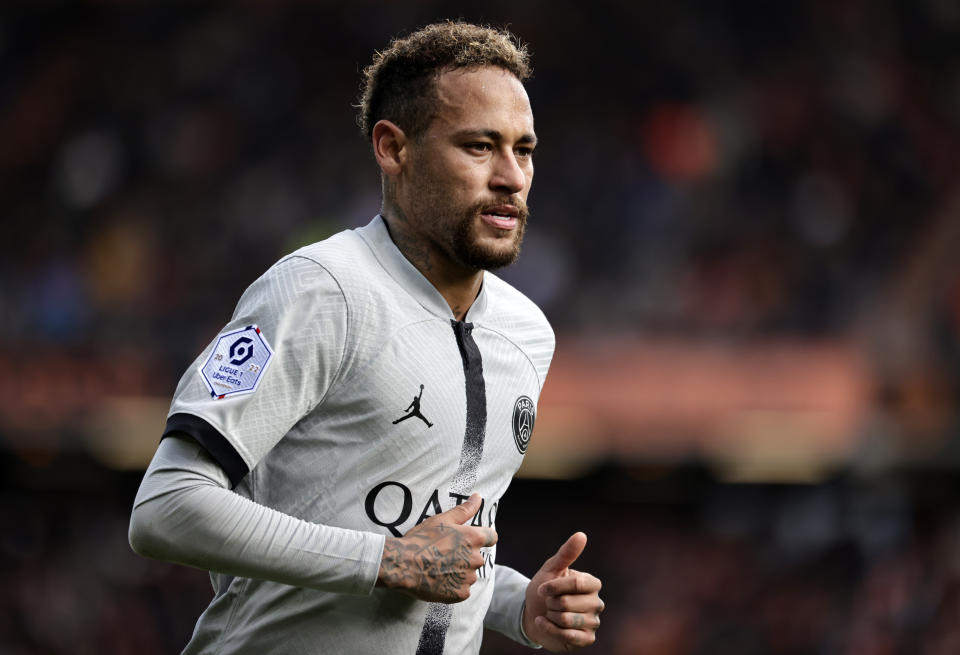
377 237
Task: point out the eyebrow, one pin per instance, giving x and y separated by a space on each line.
494 135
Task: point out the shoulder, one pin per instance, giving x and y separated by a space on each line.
333 265
510 308
309 278
342 249
518 319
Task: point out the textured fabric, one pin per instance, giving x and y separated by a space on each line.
359 423
206 525
505 613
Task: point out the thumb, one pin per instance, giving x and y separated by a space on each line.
567 554
464 511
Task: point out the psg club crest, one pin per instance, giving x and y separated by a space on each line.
524 415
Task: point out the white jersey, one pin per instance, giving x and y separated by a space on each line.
343 392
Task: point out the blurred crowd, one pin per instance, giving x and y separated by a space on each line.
732 172
737 170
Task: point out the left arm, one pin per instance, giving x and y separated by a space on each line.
559 608
505 613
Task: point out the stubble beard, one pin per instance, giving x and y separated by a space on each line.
466 248
455 230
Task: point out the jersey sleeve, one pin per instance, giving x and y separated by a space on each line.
505 614
184 513
269 366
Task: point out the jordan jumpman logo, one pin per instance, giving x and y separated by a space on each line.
414 409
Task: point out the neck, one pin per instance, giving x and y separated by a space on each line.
457 284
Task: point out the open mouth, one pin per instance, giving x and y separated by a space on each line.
503 217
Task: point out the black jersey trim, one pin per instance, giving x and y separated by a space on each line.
212 441
475 432
433 636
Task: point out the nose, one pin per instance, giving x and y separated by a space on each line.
508 175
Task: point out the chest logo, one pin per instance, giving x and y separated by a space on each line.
524 414
413 410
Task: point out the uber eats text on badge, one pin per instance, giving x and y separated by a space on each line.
237 362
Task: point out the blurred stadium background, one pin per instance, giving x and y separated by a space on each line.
745 229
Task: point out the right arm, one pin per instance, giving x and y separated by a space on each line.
185 512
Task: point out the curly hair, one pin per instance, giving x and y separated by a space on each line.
400 84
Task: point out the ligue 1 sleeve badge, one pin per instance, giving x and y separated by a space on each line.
237 362
524 414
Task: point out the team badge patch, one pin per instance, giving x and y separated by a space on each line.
524 414
237 362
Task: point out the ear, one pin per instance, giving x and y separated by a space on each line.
389 147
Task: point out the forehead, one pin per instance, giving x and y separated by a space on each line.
482 98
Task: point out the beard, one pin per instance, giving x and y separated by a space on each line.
466 247
457 229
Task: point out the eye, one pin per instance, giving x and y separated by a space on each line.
524 152
479 146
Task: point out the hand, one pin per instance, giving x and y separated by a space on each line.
438 559
563 606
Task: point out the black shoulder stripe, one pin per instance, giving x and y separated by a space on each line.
212 441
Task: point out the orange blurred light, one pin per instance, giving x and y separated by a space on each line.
679 143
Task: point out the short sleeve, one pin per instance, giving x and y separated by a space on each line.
269 366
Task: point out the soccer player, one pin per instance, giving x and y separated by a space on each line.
332 521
